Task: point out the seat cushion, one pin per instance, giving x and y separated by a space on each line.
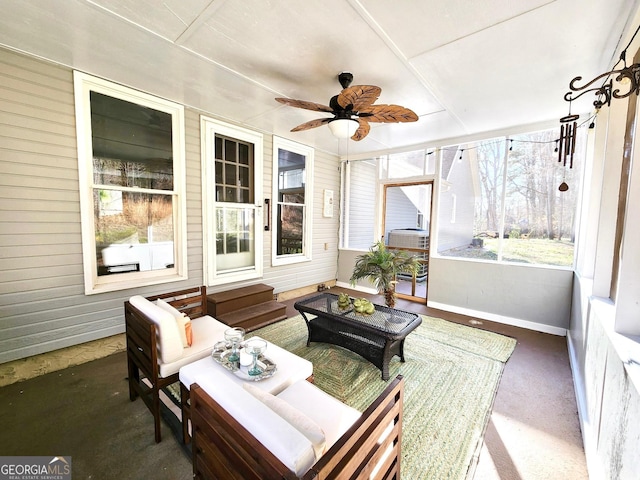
206 332
168 337
331 414
291 414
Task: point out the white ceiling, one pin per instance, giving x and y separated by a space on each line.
464 66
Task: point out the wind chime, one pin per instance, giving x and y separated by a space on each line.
566 144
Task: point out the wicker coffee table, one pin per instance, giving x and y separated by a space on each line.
377 337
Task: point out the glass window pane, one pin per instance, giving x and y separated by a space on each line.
490 165
539 218
231 194
536 222
132 144
235 242
152 174
243 176
471 205
220 219
218 147
245 242
230 220
219 177
407 164
219 243
243 154
134 230
231 244
234 171
291 225
291 190
230 177
230 151
293 204
293 197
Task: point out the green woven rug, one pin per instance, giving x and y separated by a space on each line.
451 377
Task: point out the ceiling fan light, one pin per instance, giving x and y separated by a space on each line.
343 127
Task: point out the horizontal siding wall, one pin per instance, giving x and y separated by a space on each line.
362 201
42 301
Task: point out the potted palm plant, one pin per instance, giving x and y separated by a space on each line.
381 266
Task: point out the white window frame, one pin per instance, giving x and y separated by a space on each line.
83 85
307 245
209 127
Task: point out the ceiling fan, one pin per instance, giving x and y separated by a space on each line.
352 110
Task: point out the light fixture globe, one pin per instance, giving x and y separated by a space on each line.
343 127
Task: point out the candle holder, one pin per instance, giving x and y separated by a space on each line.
234 336
255 347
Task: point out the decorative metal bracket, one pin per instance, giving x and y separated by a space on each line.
627 76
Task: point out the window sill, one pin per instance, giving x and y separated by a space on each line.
289 260
137 280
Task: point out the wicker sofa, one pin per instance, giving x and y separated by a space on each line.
300 433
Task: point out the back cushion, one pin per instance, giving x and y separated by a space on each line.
299 420
182 320
290 446
169 340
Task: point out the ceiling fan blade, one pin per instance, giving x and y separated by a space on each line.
359 96
311 124
316 107
388 114
362 131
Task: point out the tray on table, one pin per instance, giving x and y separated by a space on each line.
221 354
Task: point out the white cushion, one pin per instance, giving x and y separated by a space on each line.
169 308
181 320
290 446
206 332
168 337
331 414
295 417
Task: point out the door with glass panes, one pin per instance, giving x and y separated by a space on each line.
232 206
407 212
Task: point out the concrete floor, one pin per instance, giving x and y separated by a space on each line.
84 412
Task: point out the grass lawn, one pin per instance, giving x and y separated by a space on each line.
534 251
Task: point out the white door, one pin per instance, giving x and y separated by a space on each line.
232 202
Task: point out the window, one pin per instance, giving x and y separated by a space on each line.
360 180
362 219
232 161
415 163
292 210
131 168
508 203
